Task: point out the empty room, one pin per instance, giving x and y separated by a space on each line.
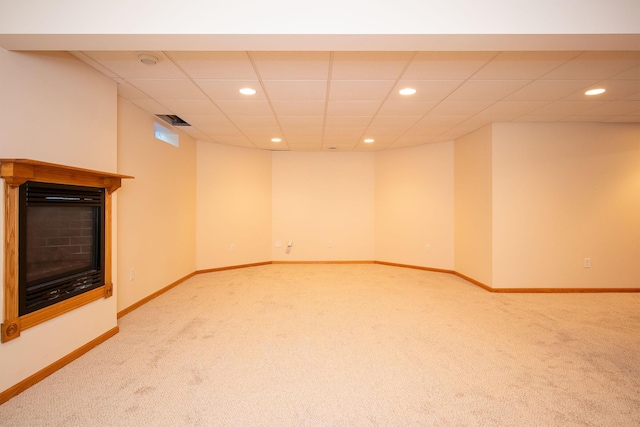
329 213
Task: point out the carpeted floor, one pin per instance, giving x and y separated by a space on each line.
351 345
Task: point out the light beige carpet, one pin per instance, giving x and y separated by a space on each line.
351 345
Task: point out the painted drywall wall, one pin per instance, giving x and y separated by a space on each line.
562 193
473 205
326 17
156 209
55 109
233 213
324 203
414 211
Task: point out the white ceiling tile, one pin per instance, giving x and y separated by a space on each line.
406 107
237 141
152 106
504 109
229 90
549 90
128 91
296 90
596 65
297 132
127 64
456 93
369 65
456 108
486 90
352 108
348 121
244 108
446 65
190 106
168 88
210 121
522 65
392 121
565 108
301 108
426 90
631 118
254 121
612 108
630 74
429 122
301 121
292 65
262 132
356 90
616 90
214 65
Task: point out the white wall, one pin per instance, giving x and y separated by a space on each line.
55 109
156 209
320 17
233 214
322 197
414 206
562 193
473 205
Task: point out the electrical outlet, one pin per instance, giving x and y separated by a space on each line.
587 263
278 243
232 247
427 248
330 244
132 274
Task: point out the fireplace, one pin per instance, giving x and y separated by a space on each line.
57 248
60 244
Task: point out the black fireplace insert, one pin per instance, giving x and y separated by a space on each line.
60 243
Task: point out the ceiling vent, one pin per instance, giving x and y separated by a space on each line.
173 120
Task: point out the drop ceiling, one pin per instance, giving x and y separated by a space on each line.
326 100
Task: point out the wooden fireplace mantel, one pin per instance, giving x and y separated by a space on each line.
16 172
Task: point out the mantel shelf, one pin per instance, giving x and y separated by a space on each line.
18 171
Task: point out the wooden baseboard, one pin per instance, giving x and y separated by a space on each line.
148 298
415 267
44 373
323 262
232 267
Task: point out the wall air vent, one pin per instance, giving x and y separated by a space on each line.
173 120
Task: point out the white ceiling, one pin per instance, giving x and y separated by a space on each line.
317 100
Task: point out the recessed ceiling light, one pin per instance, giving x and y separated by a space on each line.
407 91
595 92
247 91
148 59
369 140
276 140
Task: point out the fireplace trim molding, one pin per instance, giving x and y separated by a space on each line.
16 172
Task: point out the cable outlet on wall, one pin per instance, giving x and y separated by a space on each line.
427 247
587 263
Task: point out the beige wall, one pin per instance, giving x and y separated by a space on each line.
561 193
473 205
55 109
414 210
323 197
156 209
233 211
